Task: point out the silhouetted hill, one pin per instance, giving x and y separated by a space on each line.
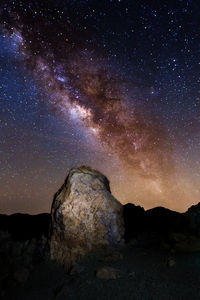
25 227
159 220
134 219
137 221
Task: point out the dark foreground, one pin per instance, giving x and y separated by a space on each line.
160 260
145 272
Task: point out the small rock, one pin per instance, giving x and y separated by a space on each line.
131 274
112 257
170 262
76 269
21 275
107 273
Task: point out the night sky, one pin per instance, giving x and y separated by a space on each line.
109 84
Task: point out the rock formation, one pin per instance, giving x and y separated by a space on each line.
187 236
192 216
134 220
84 216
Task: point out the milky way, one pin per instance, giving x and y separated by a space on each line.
86 87
95 96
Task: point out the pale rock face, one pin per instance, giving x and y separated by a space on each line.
84 216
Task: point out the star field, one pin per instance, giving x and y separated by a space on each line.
110 84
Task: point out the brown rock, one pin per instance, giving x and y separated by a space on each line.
170 261
84 216
107 273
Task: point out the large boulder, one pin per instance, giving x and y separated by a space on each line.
84 216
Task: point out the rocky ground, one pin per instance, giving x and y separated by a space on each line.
142 269
160 260
137 254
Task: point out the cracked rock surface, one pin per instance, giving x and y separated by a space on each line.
84 216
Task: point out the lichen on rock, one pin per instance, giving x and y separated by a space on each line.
84 216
